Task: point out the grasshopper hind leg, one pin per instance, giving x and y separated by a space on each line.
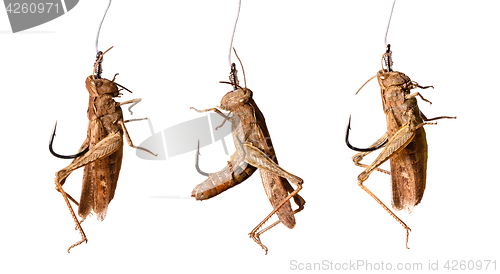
259 159
400 140
100 150
256 236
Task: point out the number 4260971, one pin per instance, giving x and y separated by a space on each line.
32 7
470 265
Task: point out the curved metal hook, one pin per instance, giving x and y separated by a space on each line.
98 62
234 30
197 160
360 149
99 30
64 156
389 23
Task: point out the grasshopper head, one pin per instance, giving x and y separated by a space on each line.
392 78
235 99
98 87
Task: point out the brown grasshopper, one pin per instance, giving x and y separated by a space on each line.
101 152
254 150
404 143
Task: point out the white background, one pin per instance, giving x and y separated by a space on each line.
304 60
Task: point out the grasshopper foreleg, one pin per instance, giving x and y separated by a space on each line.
415 94
216 110
133 102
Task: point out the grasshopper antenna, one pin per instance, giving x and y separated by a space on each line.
63 156
360 149
242 69
98 62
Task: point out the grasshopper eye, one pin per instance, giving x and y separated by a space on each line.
243 101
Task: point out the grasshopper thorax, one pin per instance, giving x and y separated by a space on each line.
97 87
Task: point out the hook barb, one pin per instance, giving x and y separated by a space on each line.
63 156
360 149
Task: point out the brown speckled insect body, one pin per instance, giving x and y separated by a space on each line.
404 143
254 150
101 152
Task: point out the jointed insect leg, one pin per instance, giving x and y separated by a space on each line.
83 147
135 120
69 196
133 102
359 157
259 159
255 233
399 141
360 183
84 238
300 203
415 94
416 85
129 141
223 122
216 110
436 118
102 149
